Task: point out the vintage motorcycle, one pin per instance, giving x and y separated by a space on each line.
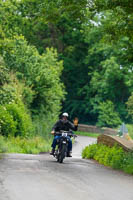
62 145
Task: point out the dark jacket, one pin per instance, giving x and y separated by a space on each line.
65 126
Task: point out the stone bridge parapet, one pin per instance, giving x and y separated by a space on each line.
95 129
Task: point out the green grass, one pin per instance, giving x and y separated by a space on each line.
130 129
33 145
87 134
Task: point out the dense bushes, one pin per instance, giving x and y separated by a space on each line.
6 94
114 157
14 120
7 124
32 93
22 118
14 115
4 72
30 88
41 74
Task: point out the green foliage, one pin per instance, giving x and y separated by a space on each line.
109 72
120 21
107 115
44 123
114 157
28 95
14 120
130 130
51 22
18 144
110 156
7 94
89 151
7 124
23 121
96 69
11 22
3 146
33 145
40 72
4 76
130 106
128 163
106 73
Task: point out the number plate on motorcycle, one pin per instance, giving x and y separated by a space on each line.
64 134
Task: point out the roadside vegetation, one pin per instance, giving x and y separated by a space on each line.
77 58
28 87
130 130
114 157
87 134
3 147
17 144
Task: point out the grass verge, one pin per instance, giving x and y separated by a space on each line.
130 130
87 134
114 157
33 145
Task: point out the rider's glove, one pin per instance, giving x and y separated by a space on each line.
75 121
52 132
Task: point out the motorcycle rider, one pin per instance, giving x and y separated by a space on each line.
65 125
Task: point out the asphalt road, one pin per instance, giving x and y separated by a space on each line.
40 177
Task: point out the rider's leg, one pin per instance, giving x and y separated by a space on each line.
54 144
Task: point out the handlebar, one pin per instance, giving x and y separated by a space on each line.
69 133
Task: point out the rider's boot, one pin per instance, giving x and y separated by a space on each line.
52 152
69 154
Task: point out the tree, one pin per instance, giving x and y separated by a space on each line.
93 56
130 106
118 23
107 115
41 73
109 71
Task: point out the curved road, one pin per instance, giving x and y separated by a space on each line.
40 177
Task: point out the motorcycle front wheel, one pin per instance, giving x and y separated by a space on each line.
62 154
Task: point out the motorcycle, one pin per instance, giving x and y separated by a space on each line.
62 145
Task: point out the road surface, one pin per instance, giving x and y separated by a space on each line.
40 177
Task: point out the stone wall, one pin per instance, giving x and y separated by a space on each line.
95 129
110 141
